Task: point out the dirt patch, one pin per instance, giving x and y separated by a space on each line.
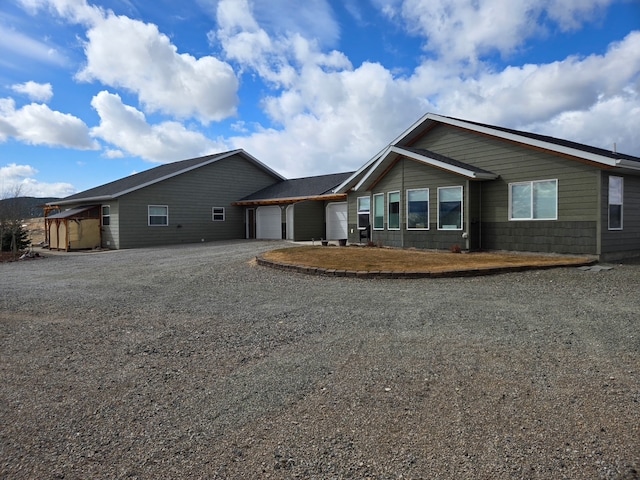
396 260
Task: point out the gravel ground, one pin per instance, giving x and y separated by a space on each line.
193 362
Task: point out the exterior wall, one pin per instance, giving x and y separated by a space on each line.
618 244
404 175
575 230
84 233
58 235
190 198
111 232
309 221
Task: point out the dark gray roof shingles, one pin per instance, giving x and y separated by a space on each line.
300 187
445 159
143 178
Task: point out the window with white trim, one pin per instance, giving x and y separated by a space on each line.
418 209
158 215
217 214
536 200
106 215
616 196
450 208
378 211
364 208
394 211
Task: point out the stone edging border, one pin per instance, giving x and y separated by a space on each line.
391 274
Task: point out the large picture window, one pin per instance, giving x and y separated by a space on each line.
537 200
450 208
158 215
378 211
394 211
418 209
364 208
616 196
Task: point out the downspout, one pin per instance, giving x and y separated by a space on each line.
480 216
402 195
467 216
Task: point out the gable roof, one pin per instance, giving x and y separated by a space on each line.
134 182
298 189
427 157
598 156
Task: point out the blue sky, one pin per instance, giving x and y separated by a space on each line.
94 91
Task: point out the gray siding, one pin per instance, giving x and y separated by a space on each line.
309 221
618 244
408 174
111 233
190 198
575 230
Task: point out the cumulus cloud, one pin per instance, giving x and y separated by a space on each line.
335 118
39 92
37 124
126 128
20 179
164 80
456 30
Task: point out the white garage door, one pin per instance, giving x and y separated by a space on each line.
337 221
269 223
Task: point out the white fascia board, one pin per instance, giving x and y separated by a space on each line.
444 166
354 178
380 159
574 152
628 164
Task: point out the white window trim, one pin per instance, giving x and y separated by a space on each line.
461 209
363 211
213 214
102 215
609 204
399 210
373 225
149 216
531 219
428 208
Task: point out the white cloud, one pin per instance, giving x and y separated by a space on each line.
466 29
165 81
334 119
39 92
37 124
22 47
126 128
531 94
20 179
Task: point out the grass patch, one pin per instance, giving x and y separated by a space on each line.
398 260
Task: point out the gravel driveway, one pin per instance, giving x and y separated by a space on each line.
193 362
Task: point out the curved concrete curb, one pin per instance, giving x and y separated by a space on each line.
391 274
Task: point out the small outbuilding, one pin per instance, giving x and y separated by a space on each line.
74 229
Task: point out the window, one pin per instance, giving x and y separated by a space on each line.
418 209
394 210
378 211
158 215
106 215
217 214
537 200
615 203
364 205
450 208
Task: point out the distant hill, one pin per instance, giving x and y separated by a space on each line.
24 207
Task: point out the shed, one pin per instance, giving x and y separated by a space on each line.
74 229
